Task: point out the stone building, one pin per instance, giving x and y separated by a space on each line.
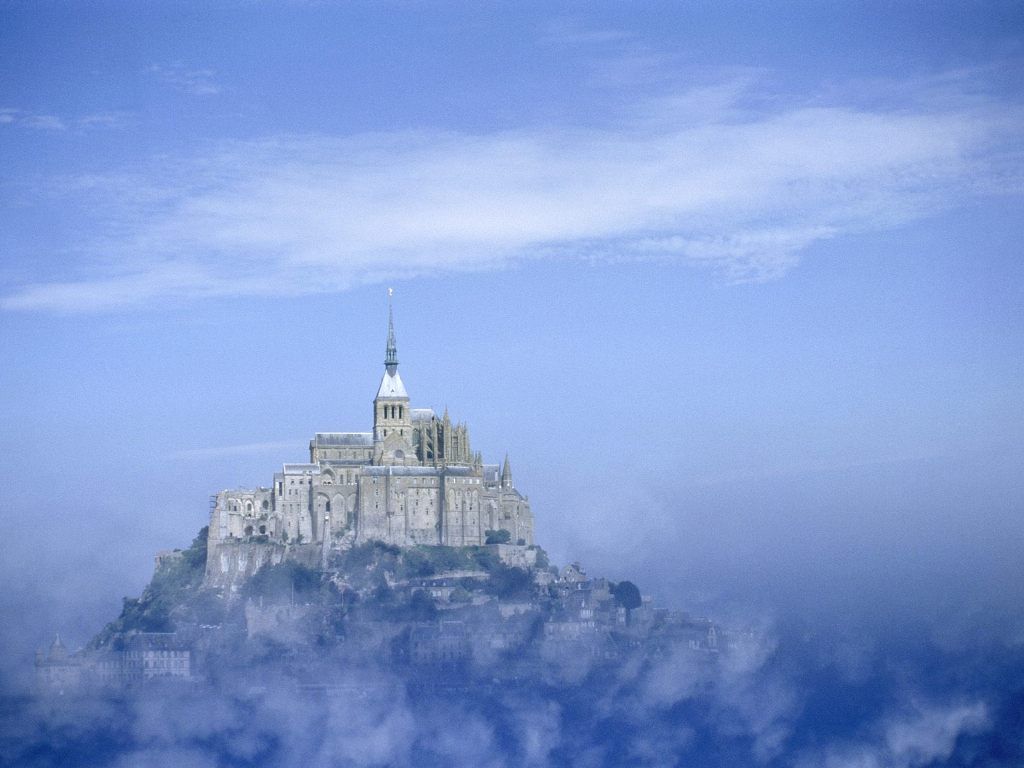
57 672
413 480
146 657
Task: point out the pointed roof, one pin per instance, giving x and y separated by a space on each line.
391 386
506 474
57 649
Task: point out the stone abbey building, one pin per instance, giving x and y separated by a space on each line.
413 480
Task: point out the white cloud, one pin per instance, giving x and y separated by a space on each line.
104 120
931 733
695 179
45 122
10 116
20 117
926 735
196 82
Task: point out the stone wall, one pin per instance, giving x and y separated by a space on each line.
229 564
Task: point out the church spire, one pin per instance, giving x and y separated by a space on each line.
391 355
506 474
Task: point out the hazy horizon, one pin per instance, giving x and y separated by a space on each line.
739 291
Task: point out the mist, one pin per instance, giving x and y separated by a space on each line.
737 289
886 600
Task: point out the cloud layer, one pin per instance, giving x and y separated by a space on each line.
699 178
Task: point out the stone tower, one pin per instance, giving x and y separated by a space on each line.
392 419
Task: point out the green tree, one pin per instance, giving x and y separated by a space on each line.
421 607
627 595
542 559
500 536
508 582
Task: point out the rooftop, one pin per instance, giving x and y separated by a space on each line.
344 438
391 386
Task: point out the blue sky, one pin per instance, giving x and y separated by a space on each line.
740 291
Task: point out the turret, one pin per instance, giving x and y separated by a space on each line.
57 650
506 475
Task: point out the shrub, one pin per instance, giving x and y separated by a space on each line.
500 536
542 559
508 582
284 581
421 607
627 595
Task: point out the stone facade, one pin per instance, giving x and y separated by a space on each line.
146 657
413 480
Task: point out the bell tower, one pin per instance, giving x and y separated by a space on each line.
392 421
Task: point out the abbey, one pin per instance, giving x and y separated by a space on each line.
413 480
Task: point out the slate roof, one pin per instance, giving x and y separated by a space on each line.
391 386
358 439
